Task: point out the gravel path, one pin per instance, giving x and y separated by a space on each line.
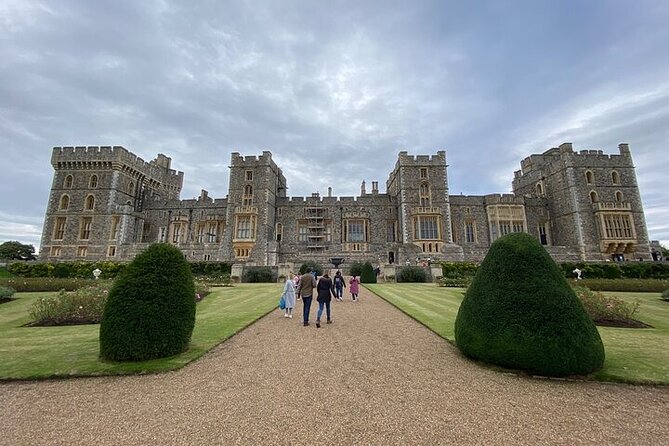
374 376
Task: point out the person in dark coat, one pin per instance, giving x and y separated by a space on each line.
325 291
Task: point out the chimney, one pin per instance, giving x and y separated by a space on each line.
375 187
362 188
329 191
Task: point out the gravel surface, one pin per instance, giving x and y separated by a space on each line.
374 376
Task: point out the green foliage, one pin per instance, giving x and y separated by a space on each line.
259 274
151 308
313 265
24 284
14 250
6 292
456 270
4 272
83 270
83 306
617 270
411 274
210 269
631 285
520 312
604 309
367 275
665 295
355 269
456 282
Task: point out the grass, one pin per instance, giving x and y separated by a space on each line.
632 355
47 352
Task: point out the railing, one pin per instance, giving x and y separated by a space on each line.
612 206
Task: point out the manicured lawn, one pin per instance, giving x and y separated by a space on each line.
632 355
41 352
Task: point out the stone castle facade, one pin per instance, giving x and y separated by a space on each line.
107 203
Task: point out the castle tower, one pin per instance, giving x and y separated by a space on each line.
96 198
593 200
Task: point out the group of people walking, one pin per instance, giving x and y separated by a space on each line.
303 287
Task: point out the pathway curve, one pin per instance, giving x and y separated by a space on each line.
374 376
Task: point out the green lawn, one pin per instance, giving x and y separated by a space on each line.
41 352
632 355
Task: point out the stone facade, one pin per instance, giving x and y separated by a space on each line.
107 203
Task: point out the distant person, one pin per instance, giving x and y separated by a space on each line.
289 296
306 290
339 285
354 287
325 292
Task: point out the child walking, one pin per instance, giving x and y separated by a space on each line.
354 287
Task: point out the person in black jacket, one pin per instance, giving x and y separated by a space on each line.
325 291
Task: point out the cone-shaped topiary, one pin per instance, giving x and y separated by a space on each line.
150 312
520 312
367 274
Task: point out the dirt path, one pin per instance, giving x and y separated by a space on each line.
374 376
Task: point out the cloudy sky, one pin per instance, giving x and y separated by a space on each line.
332 88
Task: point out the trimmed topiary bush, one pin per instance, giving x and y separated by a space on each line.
520 312
150 312
367 275
314 267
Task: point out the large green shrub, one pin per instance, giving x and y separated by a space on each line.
355 269
259 274
411 274
150 312
6 292
314 267
367 275
520 312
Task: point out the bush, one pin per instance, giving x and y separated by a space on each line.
83 306
603 309
355 269
629 285
210 269
6 292
411 274
27 284
151 308
665 295
520 312
367 275
83 270
314 267
456 270
460 282
259 274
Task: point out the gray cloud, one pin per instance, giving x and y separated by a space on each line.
342 87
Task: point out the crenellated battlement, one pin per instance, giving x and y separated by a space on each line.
565 152
238 160
404 159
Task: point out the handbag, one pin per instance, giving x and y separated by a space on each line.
282 303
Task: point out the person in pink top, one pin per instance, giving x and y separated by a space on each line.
354 287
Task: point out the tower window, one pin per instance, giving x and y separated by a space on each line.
615 177
68 182
64 202
93 182
589 177
249 175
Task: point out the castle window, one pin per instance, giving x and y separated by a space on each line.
543 234
423 172
619 197
59 228
55 251
212 232
93 182
302 232
64 202
247 199
470 232
279 232
82 251
615 177
618 226
90 203
245 227
113 233
111 251
85 228
355 230
162 232
426 227
589 177
146 231
540 189
68 182
178 232
391 231
424 194
249 175
593 197
505 219
131 188
207 257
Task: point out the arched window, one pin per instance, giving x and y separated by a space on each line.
619 197
589 177
131 188
64 202
540 189
93 182
593 197
247 199
424 194
615 177
68 182
90 203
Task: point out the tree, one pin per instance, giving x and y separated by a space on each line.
14 250
367 274
520 312
150 312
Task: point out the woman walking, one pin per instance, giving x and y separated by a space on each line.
354 287
325 293
289 296
339 285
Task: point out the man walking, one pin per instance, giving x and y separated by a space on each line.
306 290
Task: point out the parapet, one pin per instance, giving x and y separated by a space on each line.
404 159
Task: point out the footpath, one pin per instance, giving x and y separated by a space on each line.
373 377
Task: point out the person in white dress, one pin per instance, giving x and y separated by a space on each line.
289 296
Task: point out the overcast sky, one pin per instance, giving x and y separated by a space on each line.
333 88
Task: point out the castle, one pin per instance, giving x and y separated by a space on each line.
107 203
